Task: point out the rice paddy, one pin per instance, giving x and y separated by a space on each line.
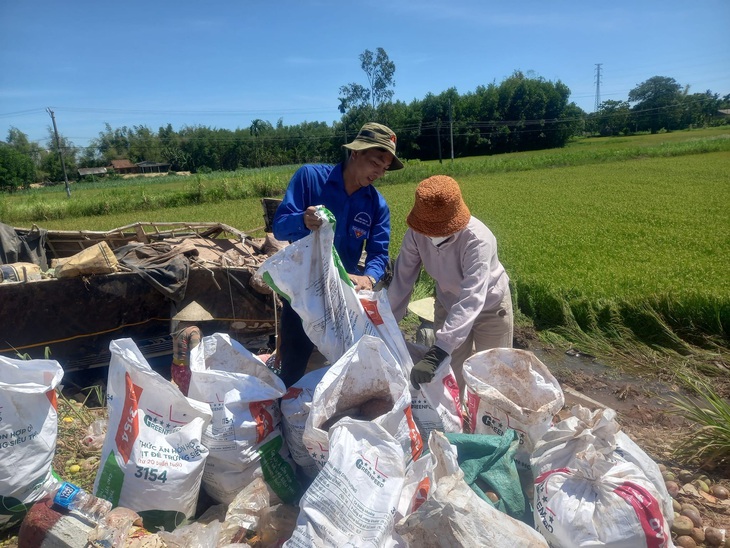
618 246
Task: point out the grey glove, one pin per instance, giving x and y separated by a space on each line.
424 370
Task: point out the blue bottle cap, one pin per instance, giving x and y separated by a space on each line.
65 494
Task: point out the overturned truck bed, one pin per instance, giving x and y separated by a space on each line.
75 318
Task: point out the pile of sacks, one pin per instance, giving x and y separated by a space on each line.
354 455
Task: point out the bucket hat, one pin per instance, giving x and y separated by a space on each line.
439 209
193 312
374 135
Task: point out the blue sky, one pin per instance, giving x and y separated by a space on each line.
223 64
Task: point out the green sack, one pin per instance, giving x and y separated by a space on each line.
488 464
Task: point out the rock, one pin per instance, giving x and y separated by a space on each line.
685 476
698 535
701 485
714 537
685 541
682 525
693 514
688 506
668 476
491 495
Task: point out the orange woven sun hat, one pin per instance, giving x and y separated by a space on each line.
439 209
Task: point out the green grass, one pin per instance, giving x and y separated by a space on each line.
152 194
140 195
617 246
627 260
709 444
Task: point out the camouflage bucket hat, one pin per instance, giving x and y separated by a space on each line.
374 135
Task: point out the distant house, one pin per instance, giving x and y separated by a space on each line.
91 171
124 166
152 167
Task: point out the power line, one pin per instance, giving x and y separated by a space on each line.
484 126
20 112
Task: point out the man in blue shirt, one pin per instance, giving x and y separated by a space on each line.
362 221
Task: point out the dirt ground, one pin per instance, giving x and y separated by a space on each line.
643 411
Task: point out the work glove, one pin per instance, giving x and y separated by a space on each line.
424 370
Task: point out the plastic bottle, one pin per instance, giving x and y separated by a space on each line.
73 498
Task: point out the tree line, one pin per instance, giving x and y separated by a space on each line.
521 113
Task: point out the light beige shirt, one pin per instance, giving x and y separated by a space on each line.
469 278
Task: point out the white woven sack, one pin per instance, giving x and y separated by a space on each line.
599 503
597 429
436 405
511 388
244 436
28 430
152 459
422 474
367 371
308 273
295 407
352 501
454 515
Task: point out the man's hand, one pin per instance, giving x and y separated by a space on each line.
311 221
361 282
424 370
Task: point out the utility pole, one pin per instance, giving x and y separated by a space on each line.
345 152
60 152
438 138
598 87
451 131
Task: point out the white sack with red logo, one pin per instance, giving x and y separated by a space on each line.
244 436
511 388
437 404
352 501
152 460
28 430
295 407
598 429
599 503
416 486
452 514
422 474
309 274
366 373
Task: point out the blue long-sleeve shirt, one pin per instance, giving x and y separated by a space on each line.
362 218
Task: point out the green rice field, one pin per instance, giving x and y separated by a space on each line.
617 246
